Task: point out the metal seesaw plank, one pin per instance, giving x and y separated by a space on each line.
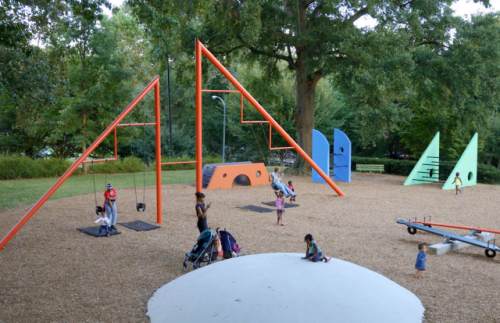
452 236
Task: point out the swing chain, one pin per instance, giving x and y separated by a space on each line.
106 175
133 173
263 157
93 178
267 141
141 207
144 176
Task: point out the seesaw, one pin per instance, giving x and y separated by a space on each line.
454 226
491 249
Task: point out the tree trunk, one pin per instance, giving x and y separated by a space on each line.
304 114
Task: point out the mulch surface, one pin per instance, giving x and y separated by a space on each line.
50 272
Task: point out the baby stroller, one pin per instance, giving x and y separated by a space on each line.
204 251
229 245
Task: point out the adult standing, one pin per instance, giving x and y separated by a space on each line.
201 211
110 206
276 179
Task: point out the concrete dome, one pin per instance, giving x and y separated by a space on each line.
280 287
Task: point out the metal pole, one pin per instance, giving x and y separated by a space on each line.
223 128
158 152
224 134
199 123
169 110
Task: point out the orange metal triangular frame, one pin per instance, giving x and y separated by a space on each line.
155 83
202 50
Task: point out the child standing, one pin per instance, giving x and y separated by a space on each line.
104 224
201 211
290 187
280 206
421 258
458 182
313 252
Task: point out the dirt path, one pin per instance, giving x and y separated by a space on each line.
50 272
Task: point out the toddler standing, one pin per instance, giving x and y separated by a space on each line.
104 224
280 206
421 258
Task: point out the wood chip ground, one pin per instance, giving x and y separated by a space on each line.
50 272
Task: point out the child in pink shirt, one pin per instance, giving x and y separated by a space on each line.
280 206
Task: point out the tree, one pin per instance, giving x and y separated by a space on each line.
99 69
30 87
312 37
457 88
22 21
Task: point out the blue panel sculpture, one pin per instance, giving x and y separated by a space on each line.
341 156
320 155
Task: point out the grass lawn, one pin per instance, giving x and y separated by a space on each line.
28 191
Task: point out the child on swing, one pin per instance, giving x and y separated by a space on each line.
280 206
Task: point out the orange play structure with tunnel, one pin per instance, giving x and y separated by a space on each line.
155 85
224 175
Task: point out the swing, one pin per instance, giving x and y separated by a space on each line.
273 185
99 209
141 207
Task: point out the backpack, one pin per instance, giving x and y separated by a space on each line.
229 245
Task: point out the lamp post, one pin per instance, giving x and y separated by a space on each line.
223 127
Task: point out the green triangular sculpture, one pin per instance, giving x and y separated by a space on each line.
466 166
427 168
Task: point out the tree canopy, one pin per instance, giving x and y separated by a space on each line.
66 70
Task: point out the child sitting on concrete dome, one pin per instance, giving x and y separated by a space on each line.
313 252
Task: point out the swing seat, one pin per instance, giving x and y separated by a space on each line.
141 207
276 189
98 210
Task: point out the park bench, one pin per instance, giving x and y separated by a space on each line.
369 168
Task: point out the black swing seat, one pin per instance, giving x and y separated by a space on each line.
98 210
141 207
276 189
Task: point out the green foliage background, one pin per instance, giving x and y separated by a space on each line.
390 88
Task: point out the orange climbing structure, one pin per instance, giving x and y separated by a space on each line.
155 84
201 51
224 175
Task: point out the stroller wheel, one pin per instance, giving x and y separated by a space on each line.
185 266
194 267
200 265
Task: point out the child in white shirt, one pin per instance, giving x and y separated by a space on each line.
104 224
